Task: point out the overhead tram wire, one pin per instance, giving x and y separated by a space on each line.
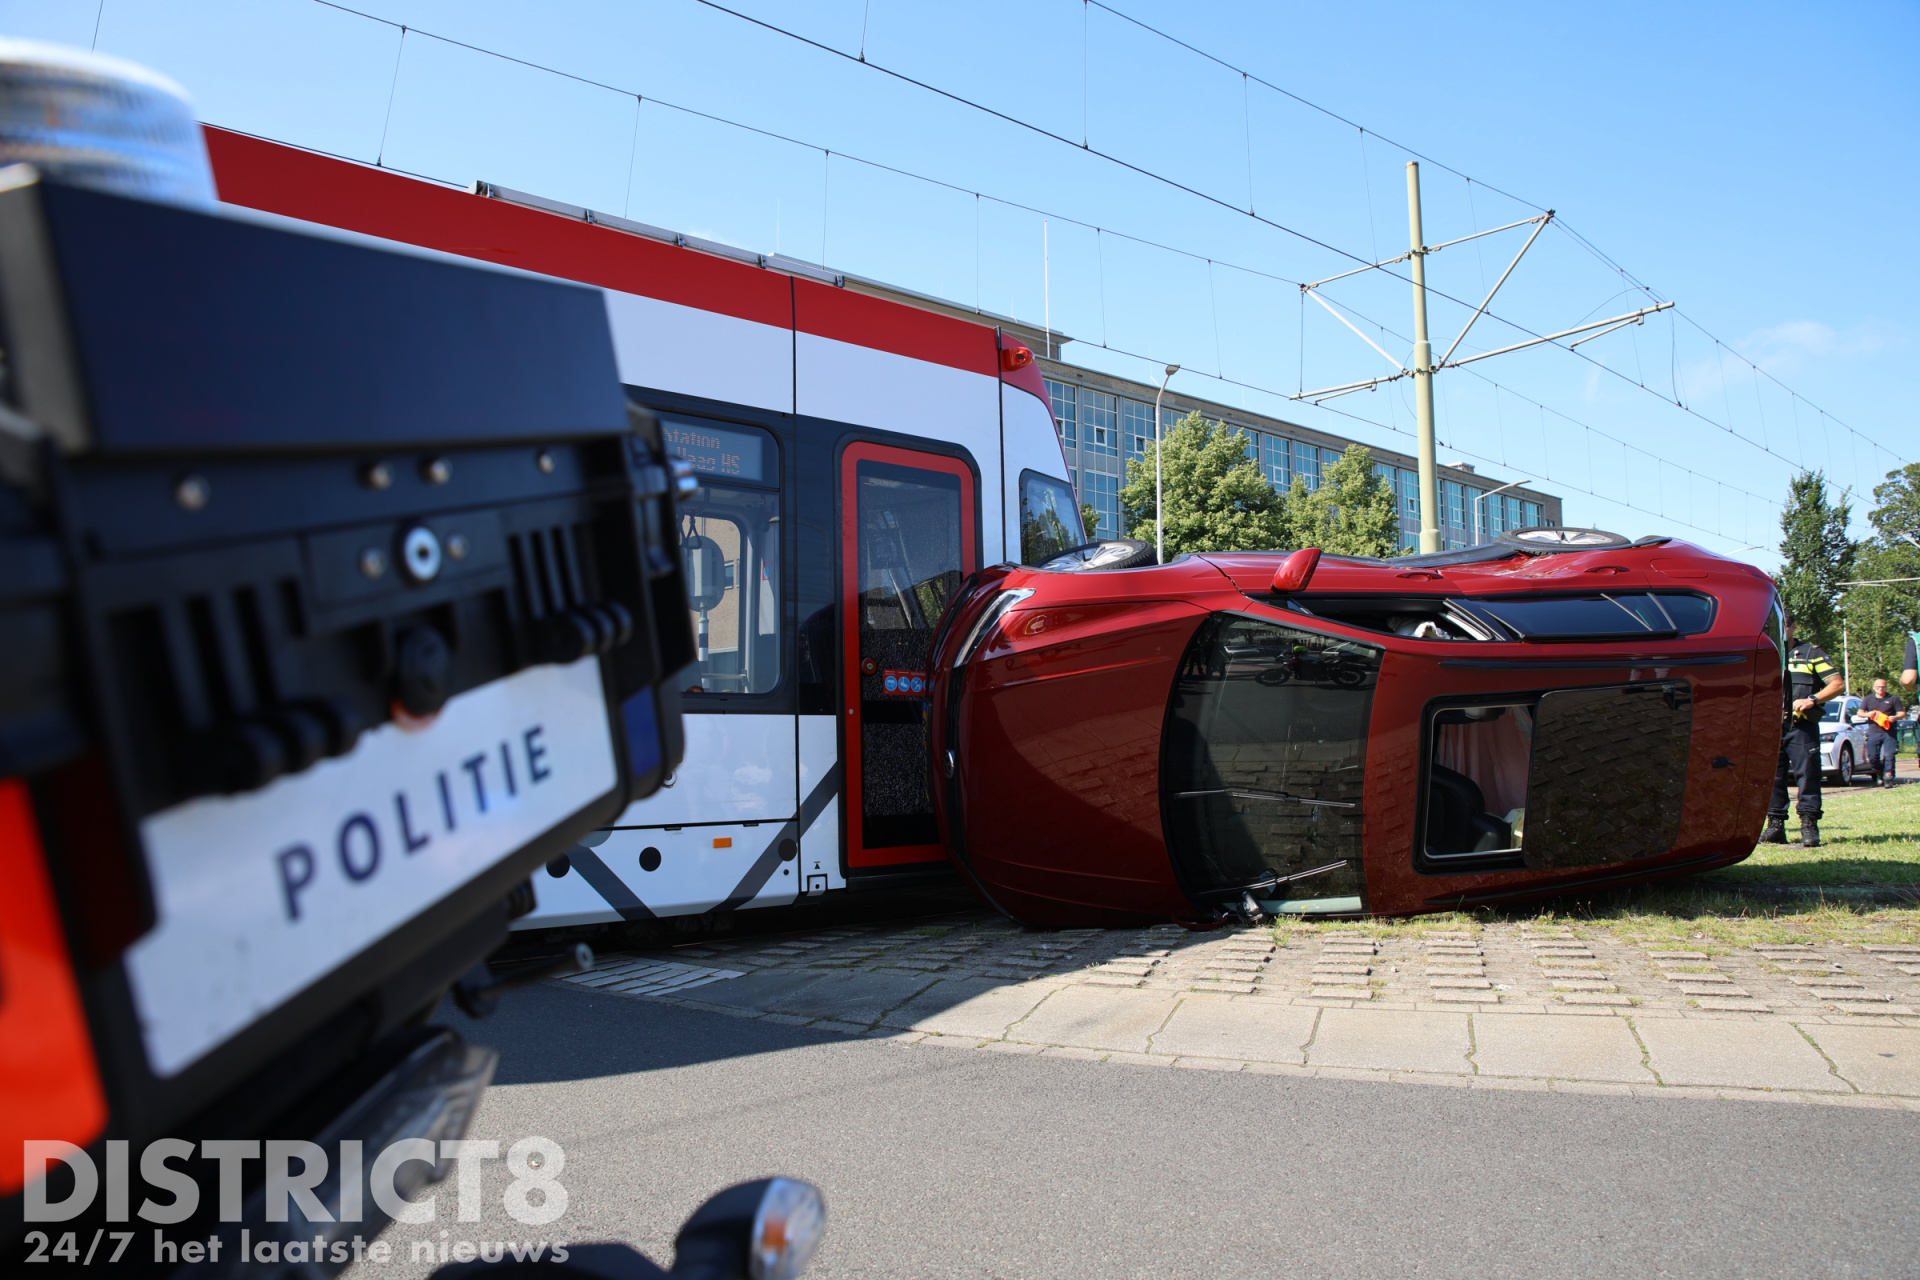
1223 203
1562 224
1012 204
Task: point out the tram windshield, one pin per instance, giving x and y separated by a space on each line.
1263 762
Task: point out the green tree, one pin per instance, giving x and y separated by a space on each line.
1816 555
1216 498
1090 519
1879 618
1352 513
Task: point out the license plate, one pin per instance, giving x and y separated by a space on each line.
263 894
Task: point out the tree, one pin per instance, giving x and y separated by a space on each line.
1816 555
1090 519
1879 618
1216 498
1352 513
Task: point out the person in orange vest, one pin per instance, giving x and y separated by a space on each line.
1882 710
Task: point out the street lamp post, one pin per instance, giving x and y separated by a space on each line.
1479 529
1159 522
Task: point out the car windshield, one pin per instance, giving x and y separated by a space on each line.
1830 714
1263 760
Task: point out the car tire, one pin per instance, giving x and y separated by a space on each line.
1113 553
1844 763
1544 540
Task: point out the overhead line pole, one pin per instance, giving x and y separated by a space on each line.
1423 372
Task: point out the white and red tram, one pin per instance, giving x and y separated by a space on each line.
857 456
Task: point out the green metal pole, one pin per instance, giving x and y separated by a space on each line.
1423 372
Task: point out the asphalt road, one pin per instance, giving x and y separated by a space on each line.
940 1162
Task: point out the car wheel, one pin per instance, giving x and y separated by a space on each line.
1114 553
1271 676
1546 540
1846 766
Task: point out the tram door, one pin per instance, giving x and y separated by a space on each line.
908 540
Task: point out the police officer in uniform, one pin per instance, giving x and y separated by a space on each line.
1812 682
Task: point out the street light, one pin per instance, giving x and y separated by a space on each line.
1159 523
1478 510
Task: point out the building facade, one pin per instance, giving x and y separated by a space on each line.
1106 421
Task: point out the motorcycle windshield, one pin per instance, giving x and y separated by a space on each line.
1262 765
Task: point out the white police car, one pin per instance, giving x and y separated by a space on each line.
1843 740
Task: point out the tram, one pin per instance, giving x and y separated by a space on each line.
857 459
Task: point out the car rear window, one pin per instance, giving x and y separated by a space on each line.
1598 615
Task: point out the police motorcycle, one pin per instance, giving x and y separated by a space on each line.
339 592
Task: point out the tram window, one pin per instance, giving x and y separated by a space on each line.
1049 518
730 542
1263 763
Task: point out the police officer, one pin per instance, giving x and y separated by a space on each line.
1812 682
1909 676
1883 711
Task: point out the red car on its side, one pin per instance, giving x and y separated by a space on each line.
1263 733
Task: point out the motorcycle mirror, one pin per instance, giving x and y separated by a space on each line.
763 1230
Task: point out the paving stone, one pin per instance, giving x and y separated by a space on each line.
1458 937
1021 962
1727 1004
1890 949
1222 984
845 996
1595 972
1093 1018
1730 992
1857 997
1826 982
1459 984
1678 955
1112 980
1806 966
1334 980
1565 984
1464 997
1544 1046
1611 1001
1875 1059
1744 1055
1454 973
1911 970
1391 1040
1360 970
928 966
1563 955
1236 966
1783 946
1213 1026
1697 979
1556 945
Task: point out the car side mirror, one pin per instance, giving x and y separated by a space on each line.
763 1230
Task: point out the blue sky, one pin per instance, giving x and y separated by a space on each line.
1754 163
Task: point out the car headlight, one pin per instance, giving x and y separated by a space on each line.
1826 737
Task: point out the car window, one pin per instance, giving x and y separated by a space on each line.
1049 518
1598 615
1263 762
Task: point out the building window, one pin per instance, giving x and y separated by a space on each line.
1103 491
1453 501
1306 463
1531 512
1136 427
1099 422
1062 395
1274 463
